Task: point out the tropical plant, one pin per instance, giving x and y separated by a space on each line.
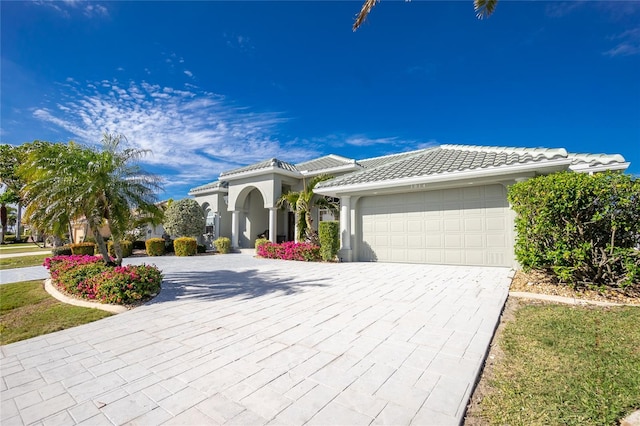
7 197
483 8
67 182
184 218
329 233
301 202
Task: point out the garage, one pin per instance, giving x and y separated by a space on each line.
461 226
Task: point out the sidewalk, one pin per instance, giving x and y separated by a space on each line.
30 253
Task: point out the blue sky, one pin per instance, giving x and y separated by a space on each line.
209 86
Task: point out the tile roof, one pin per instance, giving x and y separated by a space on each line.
596 159
327 162
445 159
209 186
368 163
274 162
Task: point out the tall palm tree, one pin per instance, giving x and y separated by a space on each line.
7 197
301 202
67 182
483 8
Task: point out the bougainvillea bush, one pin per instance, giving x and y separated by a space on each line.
290 251
88 277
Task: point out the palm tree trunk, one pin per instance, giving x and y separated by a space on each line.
19 222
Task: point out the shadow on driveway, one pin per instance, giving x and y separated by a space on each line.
222 284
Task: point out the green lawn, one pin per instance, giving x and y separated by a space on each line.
20 248
27 310
566 365
23 261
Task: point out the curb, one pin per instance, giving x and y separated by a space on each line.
566 300
53 291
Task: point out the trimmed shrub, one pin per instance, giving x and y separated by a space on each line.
290 250
202 248
61 251
125 245
261 241
83 248
184 218
329 232
155 246
223 245
185 246
581 228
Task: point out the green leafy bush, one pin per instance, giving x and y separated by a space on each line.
155 246
184 218
223 245
185 246
582 228
61 251
260 242
125 245
83 248
329 233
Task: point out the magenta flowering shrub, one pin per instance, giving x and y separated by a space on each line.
88 277
290 251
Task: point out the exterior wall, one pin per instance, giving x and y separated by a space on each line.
256 219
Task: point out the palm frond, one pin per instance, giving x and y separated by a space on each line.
484 8
364 12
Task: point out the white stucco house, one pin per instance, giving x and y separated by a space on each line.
442 205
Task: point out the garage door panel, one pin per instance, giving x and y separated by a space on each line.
465 226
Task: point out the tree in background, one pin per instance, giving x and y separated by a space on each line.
7 197
66 182
483 8
10 158
184 218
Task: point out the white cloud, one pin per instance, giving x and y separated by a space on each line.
188 73
192 133
90 9
628 43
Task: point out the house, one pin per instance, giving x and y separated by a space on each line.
443 205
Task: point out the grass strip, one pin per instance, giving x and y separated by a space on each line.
27 310
566 365
19 248
23 261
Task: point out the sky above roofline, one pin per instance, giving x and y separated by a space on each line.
212 86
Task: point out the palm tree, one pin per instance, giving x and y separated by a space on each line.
301 202
67 182
483 8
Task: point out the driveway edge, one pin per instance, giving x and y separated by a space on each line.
53 291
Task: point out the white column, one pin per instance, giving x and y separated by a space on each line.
273 224
345 228
345 222
235 222
216 226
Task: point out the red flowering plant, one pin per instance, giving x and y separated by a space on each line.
90 278
290 251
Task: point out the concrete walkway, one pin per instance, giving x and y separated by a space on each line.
30 253
237 340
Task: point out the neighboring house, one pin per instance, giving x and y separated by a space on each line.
443 205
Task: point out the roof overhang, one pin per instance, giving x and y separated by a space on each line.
264 171
586 168
352 167
447 179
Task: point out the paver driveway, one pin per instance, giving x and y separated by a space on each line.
237 340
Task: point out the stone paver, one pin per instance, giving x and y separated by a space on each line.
236 340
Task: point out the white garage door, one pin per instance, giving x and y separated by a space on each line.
465 226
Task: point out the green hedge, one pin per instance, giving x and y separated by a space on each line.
125 245
61 251
185 246
260 242
155 246
83 248
582 228
329 233
223 245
